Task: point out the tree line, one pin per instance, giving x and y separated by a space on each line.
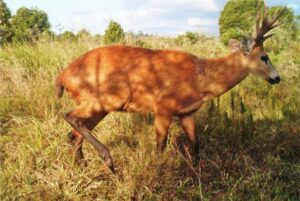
237 20
30 24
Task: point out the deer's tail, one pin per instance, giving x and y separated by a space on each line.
59 86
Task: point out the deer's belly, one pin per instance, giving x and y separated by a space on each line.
140 103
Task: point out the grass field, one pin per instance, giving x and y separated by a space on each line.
250 137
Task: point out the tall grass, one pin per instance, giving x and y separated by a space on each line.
250 137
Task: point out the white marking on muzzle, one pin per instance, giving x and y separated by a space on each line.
273 74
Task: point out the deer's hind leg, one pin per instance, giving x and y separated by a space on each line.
78 119
188 126
76 139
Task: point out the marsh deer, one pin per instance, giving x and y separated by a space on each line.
165 82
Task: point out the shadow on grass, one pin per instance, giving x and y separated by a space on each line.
246 159
241 159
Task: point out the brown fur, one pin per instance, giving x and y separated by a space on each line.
167 83
142 80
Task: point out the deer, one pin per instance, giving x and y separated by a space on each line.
167 83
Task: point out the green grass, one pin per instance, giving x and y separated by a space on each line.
250 137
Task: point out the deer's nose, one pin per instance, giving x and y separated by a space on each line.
276 80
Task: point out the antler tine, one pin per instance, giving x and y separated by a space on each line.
266 24
276 16
261 24
258 18
265 10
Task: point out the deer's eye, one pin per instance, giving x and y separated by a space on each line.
265 59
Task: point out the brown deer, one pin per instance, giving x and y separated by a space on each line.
165 82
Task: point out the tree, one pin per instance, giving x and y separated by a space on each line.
114 33
238 20
188 37
192 37
5 28
67 36
83 33
286 32
29 24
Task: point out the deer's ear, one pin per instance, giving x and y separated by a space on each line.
234 45
246 45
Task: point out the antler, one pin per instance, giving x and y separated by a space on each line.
266 24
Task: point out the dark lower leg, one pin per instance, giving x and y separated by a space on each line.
81 125
188 126
162 123
76 141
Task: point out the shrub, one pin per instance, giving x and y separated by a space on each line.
67 36
239 16
29 24
83 33
114 33
188 37
5 28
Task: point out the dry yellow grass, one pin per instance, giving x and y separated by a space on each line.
250 140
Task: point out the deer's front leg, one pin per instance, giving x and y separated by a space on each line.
162 123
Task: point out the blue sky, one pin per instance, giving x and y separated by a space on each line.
163 17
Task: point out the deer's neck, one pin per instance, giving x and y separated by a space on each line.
219 75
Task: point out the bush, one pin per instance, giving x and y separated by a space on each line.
284 34
67 36
237 19
114 33
192 37
188 37
5 28
29 24
83 33
239 16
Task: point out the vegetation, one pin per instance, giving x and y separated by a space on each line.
67 36
189 37
114 33
26 26
5 29
237 19
250 137
83 33
29 24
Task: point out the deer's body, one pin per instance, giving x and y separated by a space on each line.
167 83
142 80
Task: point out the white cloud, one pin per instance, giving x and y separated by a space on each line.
154 16
204 25
201 5
201 22
168 17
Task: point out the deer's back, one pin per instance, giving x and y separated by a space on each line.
132 79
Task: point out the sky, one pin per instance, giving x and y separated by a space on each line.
161 17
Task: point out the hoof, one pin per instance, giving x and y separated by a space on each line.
110 165
112 169
79 159
108 161
71 138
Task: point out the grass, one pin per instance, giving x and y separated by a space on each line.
250 137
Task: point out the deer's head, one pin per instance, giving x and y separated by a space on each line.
256 58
